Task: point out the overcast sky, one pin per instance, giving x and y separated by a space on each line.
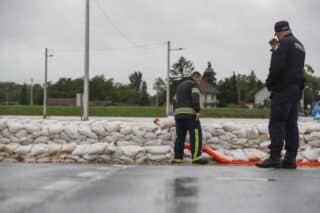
231 33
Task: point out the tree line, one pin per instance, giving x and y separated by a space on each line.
235 89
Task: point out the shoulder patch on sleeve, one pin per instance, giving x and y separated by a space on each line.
299 46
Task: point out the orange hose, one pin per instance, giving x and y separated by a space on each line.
222 160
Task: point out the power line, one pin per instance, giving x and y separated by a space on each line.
107 17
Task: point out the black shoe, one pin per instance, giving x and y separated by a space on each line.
271 162
289 161
200 161
176 161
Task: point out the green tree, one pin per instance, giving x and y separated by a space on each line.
160 87
24 100
209 75
136 80
312 85
144 96
181 70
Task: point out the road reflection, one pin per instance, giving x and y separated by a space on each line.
182 195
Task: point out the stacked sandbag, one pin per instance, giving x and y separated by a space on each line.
124 142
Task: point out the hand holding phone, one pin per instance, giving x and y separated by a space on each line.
273 42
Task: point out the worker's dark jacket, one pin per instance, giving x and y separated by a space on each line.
287 63
187 100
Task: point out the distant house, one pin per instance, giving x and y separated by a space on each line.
260 96
208 95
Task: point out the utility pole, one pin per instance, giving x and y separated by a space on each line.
86 65
45 85
168 80
168 76
31 92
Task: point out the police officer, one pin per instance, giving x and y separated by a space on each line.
285 81
187 114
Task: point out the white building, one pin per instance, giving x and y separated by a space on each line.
260 96
208 95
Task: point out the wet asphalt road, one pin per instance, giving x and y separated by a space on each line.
41 188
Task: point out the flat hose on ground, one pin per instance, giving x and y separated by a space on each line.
218 158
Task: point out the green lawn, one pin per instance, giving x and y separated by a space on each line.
129 111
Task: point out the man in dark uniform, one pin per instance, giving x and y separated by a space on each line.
187 115
285 81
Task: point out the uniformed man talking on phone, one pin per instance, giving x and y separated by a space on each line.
285 81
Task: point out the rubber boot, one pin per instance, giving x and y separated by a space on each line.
274 161
200 161
289 161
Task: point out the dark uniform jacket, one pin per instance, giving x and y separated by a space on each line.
187 100
287 64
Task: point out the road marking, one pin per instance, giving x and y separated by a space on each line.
60 185
249 179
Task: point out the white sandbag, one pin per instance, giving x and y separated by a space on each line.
311 155
23 150
314 143
167 123
97 148
54 148
206 135
21 133
229 127
158 150
265 144
137 132
313 136
54 129
242 133
158 157
38 149
104 158
117 136
125 130
71 131
3 124
213 140
149 129
14 126
152 142
313 128
4 140
80 150
11 148
126 160
165 137
86 131
237 155
240 141
112 126
150 136
98 128
68 148
32 127
254 154
90 157
42 139
2 148
217 132
263 128
109 149
132 150
118 152
5 133
252 133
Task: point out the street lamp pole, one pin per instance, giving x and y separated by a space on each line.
45 85
86 65
168 75
168 80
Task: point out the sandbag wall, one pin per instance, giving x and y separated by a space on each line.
118 142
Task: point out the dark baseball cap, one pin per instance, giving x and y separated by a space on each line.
281 26
195 73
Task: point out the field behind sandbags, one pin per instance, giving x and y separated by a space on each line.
130 111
